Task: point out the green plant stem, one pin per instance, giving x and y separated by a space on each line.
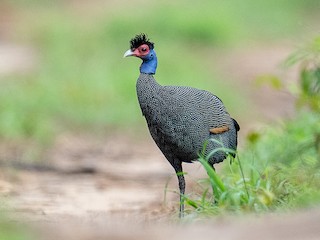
242 174
212 174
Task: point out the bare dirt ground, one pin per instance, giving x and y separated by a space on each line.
115 187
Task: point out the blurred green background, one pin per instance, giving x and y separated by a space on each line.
80 82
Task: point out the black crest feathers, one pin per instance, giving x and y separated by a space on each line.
140 39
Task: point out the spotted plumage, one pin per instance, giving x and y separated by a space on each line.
181 119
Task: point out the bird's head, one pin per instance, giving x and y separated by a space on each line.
141 47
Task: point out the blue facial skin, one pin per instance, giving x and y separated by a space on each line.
149 64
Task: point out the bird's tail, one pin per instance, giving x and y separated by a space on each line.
236 125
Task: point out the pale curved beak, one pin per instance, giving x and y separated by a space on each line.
128 53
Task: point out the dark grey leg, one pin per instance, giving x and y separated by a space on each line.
182 186
177 165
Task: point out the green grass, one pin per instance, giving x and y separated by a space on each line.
279 171
280 167
10 230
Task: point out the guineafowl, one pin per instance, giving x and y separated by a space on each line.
180 119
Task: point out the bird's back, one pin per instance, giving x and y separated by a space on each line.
180 119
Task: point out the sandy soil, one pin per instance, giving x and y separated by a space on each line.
114 189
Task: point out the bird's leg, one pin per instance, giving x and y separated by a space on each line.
182 187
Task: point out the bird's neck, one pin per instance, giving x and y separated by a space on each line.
149 64
147 91
146 84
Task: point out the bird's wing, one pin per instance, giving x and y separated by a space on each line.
203 103
217 116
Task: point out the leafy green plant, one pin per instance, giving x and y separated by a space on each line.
281 166
308 59
233 192
280 171
307 91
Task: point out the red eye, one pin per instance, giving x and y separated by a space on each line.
144 49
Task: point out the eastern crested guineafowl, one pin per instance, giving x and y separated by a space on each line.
180 119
